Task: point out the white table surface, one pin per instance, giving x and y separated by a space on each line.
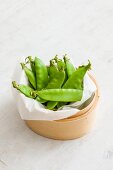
84 30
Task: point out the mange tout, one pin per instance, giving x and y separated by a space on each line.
63 95
54 85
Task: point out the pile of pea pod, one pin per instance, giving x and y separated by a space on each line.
53 85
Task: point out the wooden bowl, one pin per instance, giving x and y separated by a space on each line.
70 128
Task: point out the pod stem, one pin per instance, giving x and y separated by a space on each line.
34 94
66 58
27 60
22 65
15 85
89 65
56 58
52 62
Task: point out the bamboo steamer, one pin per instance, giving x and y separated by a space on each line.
69 128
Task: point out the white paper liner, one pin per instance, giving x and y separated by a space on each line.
30 109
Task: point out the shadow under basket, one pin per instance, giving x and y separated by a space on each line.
70 128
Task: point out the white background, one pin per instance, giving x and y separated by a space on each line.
84 30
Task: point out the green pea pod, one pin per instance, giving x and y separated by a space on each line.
30 75
40 100
30 60
63 95
69 66
75 81
53 70
41 74
51 105
26 90
56 80
60 104
61 64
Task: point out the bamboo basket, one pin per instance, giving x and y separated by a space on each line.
69 128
